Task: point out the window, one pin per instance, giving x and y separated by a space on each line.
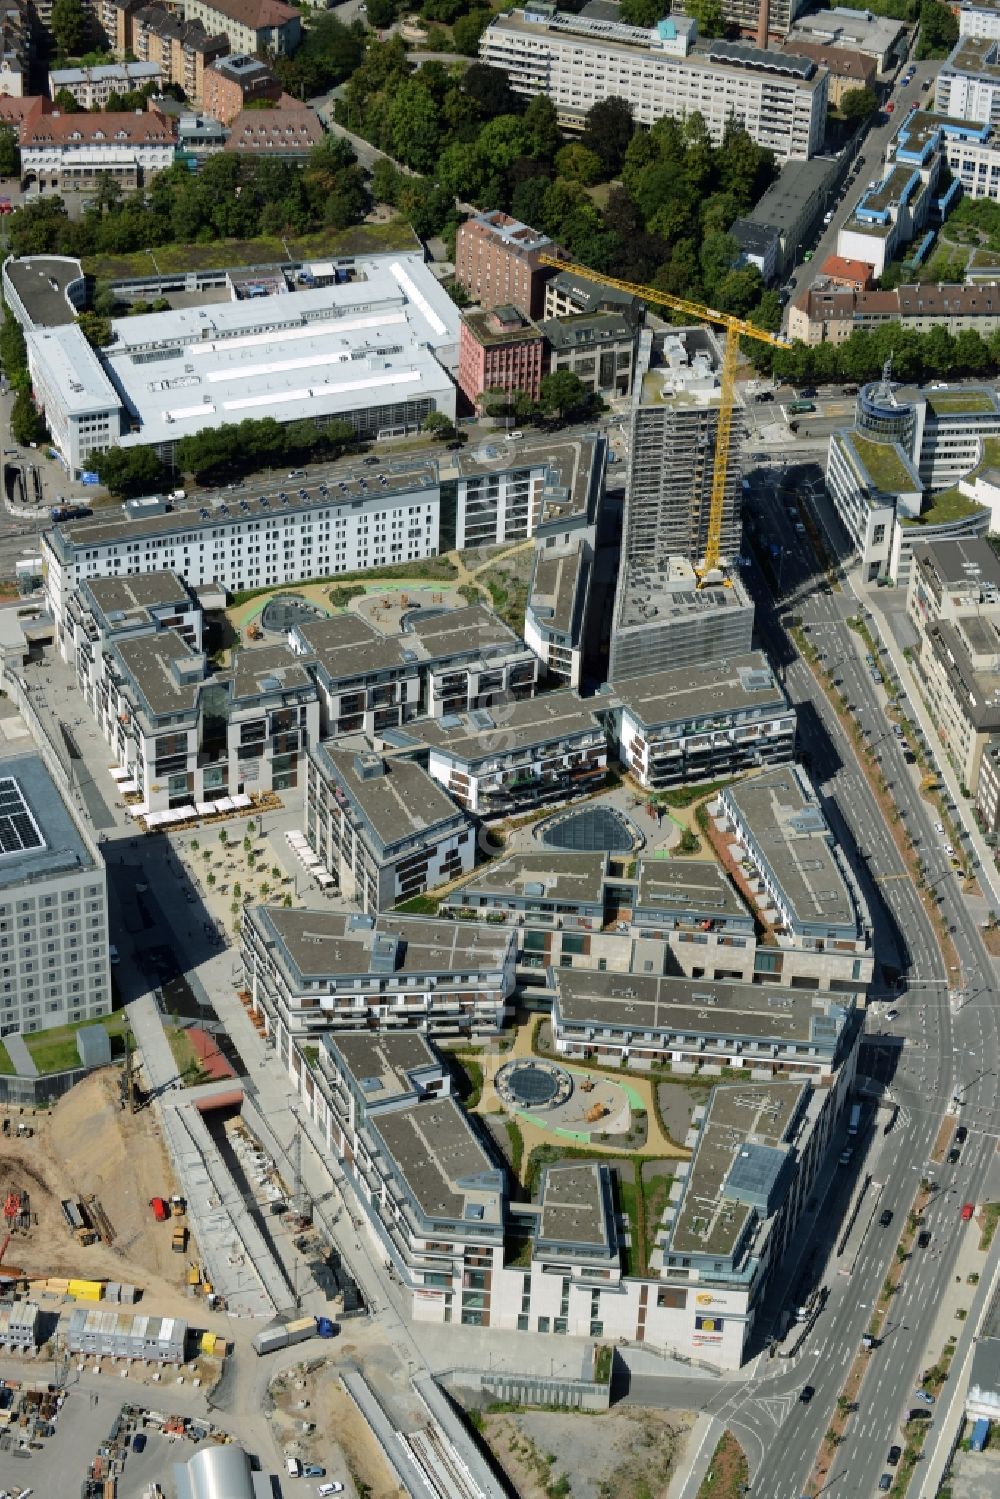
543 1324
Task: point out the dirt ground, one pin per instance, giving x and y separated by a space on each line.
86 1146
353 1454
625 1454
677 1104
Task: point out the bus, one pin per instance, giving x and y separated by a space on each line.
799 408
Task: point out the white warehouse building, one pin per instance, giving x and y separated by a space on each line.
374 351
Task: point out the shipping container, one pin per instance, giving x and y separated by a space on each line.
980 1435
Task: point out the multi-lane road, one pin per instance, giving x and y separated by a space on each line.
930 1055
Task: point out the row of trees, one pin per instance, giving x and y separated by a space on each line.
223 453
26 422
915 356
471 140
231 197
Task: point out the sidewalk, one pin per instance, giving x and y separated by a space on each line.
705 1436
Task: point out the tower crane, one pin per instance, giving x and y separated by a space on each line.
735 328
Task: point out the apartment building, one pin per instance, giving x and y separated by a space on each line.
968 82
450 662
501 761
182 49
351 524
880 37
978 18
186 738
266 27
666 618
54 955
827 313
498 262
316 972
555 615
72 152
578 60
804 885
233 82
437 1205
373 351
988 788
642 1020
675 727
92 87
848 69
383 828
953 602
499 350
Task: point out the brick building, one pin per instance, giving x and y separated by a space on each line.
497 261
235 81
499 350
183 49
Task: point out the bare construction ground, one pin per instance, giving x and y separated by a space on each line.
624 1454
310 1394
87 1146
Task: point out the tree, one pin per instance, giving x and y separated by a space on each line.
858 104
439 424
95 329
27 425
128 471
543 127
643 12
938 30
579 164
69 26
608 130
709 16
561 391
467 30
66 102
381 13
10 155
490 90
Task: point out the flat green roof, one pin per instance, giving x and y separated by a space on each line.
884 464
946 402
949 505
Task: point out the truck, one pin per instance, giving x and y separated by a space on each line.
980 1435
160 1210
70 512
284 1334
854 1124
179 1241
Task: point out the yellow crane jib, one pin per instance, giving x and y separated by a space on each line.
735 329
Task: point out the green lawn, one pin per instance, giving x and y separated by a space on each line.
885 467
267 250
6 1065
186 1059
949 505
945 402
55 1050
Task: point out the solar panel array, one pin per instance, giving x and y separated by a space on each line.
18 829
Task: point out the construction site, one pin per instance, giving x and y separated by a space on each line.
76 1182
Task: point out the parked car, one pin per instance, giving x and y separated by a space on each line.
139 1442
326 1489
925 1397
885 1482
895 1453
968 1208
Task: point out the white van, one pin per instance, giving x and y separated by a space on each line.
293 1467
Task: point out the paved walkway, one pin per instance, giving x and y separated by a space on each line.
24 1062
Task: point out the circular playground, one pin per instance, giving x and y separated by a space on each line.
395 610
572 1105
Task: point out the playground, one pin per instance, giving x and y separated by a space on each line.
267 618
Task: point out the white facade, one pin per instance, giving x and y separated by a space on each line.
54 953
253 549
868 513
69 163
979 21
968 84
576 61
373 352
92 87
